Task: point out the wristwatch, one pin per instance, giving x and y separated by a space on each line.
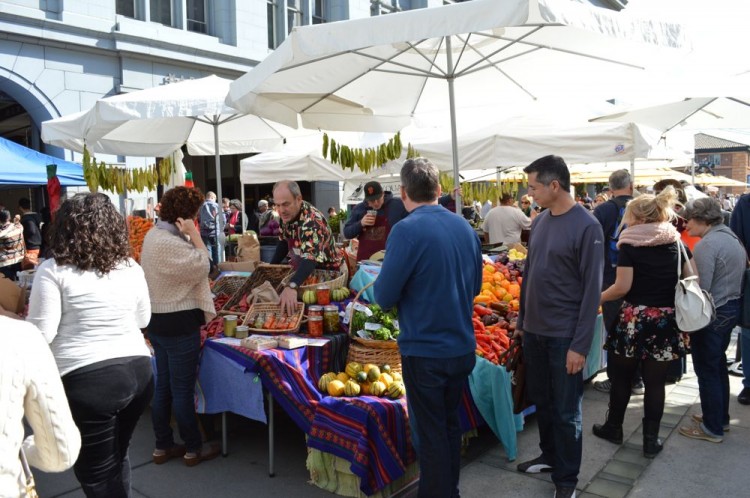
292 285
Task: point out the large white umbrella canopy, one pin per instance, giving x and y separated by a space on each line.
374 74
692 113
158 120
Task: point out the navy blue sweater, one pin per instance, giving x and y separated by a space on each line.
432 271
740 222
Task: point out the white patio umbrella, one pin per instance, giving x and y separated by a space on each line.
374 74
156 121
718 181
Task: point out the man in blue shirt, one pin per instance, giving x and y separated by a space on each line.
559 300
432 271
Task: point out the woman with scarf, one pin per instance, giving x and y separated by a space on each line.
175 261
646 331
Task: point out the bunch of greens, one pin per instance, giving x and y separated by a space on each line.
388 321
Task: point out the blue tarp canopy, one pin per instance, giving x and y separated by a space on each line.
23 166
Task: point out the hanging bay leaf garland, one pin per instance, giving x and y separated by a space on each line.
366 159
482 191
119 180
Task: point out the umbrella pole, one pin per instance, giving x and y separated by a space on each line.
632 171
454 135
217 161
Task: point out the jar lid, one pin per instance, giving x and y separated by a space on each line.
315 307
230 318
315 318
331 307
243 327
323 287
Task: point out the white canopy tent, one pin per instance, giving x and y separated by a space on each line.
375 73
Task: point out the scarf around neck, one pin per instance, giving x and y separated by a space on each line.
649 234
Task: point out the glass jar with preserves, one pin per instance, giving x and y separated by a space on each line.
314 310
230 325
323 294
331 319
315 326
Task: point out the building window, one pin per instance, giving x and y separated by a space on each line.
319 12
196 16
161 12
271 17
125 8
382 7
293 14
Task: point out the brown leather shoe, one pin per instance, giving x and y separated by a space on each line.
162 456
209 451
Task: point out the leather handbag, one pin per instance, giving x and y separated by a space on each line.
516 365
693 307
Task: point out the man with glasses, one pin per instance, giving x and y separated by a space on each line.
559 301
305 238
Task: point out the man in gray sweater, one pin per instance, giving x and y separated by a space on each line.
559 302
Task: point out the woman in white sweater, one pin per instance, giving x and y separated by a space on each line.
30 387
175 260
90 301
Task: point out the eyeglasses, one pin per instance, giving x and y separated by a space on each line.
525 202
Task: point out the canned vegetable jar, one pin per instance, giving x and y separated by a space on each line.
230 325
323 294
315 326
331 319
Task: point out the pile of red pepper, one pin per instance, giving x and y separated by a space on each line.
212 328
492 334
241 306
220 301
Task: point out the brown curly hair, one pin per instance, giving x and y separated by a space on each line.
180 202
90 234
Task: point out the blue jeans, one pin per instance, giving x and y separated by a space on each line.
213 248
745 342
176 369
106 400
558 398
435 386
709 347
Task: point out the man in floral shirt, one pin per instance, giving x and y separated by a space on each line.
305 238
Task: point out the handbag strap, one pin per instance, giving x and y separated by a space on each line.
25 464
682 251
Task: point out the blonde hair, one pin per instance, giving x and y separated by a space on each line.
648 208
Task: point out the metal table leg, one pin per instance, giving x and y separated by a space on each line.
271 472
224 449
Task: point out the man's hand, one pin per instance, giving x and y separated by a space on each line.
518 333
367 221
288 301
574 362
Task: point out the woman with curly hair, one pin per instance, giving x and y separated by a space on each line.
90 301
646 331
176 263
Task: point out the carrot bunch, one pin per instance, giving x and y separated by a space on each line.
492 337
137 229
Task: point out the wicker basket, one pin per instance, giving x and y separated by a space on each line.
257 309
275 274
363 355
325 277
369 343
228 285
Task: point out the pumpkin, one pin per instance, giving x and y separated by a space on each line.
373 374
309 297
353 368
351 388
385 368
368 367
386 379
365 387
396 390
377 388
397 376
343 377
361 377
335 388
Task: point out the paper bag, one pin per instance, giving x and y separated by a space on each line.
248 247
264 293
247 266
12 297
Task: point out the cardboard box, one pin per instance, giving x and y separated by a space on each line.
247 266
12 297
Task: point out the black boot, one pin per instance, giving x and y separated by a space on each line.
609 431
652 445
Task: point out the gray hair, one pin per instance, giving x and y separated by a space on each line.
620 180
210 196
705 209
236 203
289 184
420 179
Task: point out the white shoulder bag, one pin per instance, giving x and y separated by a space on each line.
694 307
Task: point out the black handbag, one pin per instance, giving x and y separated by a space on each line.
744 318
515 364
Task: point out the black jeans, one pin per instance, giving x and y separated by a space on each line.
435 386
106 404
